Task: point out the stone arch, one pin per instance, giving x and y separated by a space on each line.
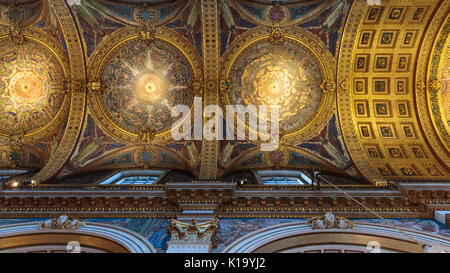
91 237
299 237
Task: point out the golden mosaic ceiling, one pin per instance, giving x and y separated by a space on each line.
141 83
290 74
31 87
362 88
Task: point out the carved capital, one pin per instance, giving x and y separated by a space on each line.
193 232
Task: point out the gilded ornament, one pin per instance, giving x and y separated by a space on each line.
328 86
194 231
276 36
63 222
95 86
146 16
435 85
421 86
329 221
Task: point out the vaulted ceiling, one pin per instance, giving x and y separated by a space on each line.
89 85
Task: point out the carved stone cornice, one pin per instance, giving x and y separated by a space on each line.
226 200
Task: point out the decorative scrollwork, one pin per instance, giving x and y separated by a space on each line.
95 86
329 221
63 222
146 16
194 231
146 135
276 36
328 86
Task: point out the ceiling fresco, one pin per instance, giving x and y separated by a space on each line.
31 87
264 75
89 84
33 80
158 76
268 72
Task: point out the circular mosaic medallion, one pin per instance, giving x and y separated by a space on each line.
143 82
290 75
276 14
31 80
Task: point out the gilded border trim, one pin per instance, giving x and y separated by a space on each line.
421 94
78 97
434 83
344 87
210 38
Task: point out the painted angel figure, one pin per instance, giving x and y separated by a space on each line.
329 24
